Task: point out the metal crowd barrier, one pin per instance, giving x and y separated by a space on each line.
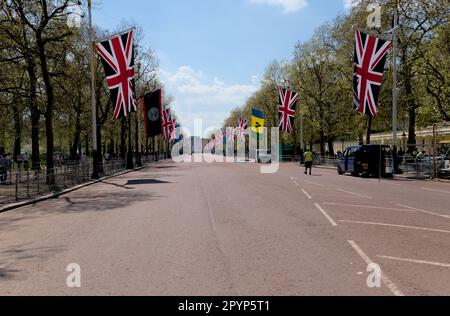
20 184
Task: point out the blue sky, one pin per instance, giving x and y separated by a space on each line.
213 52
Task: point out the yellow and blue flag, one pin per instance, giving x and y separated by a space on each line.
258 120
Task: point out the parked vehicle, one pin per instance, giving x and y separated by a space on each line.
366 160
444 162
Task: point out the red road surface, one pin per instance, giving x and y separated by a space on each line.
226 229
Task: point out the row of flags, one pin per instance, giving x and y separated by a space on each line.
369 64
158 120
117 56
228 135
287 110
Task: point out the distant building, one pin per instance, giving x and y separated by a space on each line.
424 139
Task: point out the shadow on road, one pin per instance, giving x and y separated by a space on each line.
10 223
19 254
117 185
7 274
102 202
100 198
146 181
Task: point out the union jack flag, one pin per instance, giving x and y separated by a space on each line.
166 123
218 139
173 129
242 129
231 134
370 59
118 61
287 108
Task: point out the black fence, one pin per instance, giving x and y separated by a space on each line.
20 184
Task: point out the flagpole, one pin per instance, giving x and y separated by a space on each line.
95 174
118 33
394 92
139 149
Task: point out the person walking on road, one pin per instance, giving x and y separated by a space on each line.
4 166
309 159
26 161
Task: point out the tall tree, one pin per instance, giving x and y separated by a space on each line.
47 22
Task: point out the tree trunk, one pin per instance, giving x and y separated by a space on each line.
412 131
361 139
330 146
17 130
369 129
322 132
130 147
76 139
35 152
112 148
49 109
322 142
136 139
86 144
35 115
123 138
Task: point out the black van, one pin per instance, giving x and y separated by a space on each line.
365 160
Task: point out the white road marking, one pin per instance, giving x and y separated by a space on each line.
303 190
329 195
356 194
372 207
435 190
389 284
328 217
423 211
314 183
307 194
295 182
399 226
438 264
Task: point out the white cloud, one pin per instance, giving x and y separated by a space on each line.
288 6
348 4
197 97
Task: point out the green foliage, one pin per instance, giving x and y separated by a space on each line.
24 92
322 68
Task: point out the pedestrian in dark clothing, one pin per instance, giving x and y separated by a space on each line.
4 166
